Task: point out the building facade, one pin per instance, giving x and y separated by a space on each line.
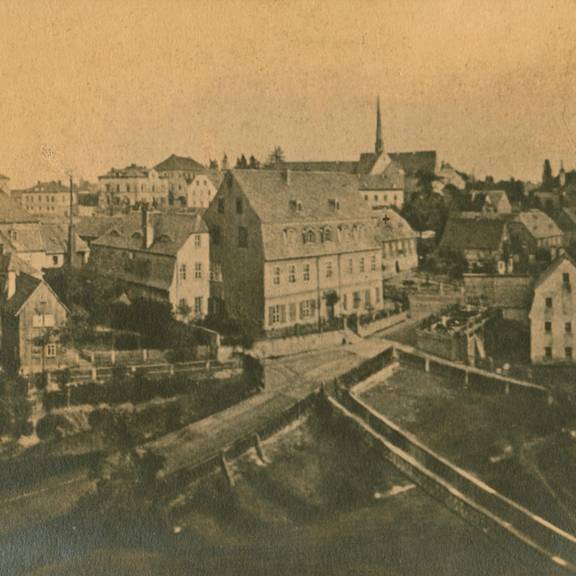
292 248
133 186
553 313
47 199
31 316
398 242
161 256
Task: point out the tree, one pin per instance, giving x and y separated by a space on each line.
213 165
547 178
276 157
183 310
253 163
225 162
78 329
241 162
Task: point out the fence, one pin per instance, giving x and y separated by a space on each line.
470 497
322 325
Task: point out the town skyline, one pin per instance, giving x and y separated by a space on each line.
487 86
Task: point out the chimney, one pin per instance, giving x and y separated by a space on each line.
147 228
287 176
11 284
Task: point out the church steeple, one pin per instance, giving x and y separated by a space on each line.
379 147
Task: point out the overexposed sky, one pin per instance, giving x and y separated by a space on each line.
86 85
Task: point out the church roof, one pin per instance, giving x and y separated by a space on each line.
413 163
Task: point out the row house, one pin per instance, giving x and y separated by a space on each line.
292 248
553 313
134 185
160 256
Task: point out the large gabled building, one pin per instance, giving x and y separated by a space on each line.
292 248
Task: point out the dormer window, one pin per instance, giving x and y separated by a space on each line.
13 235
334 204
137 235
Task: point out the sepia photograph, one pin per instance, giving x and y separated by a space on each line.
286 288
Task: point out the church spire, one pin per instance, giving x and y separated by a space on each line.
379 147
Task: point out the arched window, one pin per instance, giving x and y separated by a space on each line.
327 234
310 237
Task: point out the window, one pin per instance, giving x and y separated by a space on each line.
568 327
13 235
277 275
566 279
277 314
307 309
568 352
373 264
216 235
357 299
367 298
197 240
548 352
362 265
42 320
548 302
345 301
327 234
309 237
329 270
182 272
198 305
548 327
306 274
242 237
50 350
198 270
377 295
292 274
239 206
55 260
221 205
350 266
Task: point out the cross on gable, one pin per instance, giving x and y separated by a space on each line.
386 219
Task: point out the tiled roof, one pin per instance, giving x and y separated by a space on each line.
391 226
414 163
270 195
473 233
55 237
25 286
179 163
28 239
10 212
539 224
391 179
11 262
95 226
170 232
52 187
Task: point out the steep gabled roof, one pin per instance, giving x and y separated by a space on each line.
473 233
538 224
179 164
553 267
